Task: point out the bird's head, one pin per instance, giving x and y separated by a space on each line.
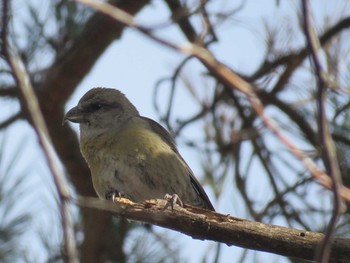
101 108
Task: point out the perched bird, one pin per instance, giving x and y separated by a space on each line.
130 155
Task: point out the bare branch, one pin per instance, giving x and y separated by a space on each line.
183 20
208 225
11 92
296 58
11 120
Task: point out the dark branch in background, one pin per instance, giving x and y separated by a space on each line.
241 183
341 138
207 225
341 110
180 16
297 118
287 190
209 28
263 154
22 80
199 115
166 118
11 92
266 163
173 80
291 62
286 75
296 58
11 120
328 148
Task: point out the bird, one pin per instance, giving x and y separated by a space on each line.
130 155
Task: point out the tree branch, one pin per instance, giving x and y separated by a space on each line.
296 58
10 92
180 16
11 120
328 152
208 225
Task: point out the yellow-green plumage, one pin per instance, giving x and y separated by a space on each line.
132 155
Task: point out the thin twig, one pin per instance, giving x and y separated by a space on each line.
23 82
328 150
227 77
173 80
298 56
11 120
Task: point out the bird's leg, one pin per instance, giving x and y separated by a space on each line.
173 199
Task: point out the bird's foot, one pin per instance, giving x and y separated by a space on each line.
172 200
112 194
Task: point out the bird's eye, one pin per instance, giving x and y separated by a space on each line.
95 106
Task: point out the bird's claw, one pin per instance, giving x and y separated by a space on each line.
112 194
172 200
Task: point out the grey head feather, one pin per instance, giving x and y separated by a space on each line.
104 108
108 97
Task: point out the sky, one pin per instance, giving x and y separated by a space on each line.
134 65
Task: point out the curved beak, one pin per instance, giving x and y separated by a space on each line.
74 115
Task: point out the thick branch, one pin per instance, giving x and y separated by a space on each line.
207 225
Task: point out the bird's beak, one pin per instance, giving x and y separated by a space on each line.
74 115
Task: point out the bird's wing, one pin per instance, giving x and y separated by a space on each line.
199 189
165 135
